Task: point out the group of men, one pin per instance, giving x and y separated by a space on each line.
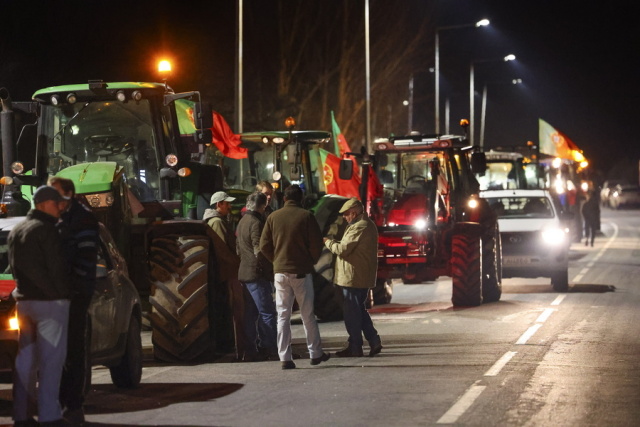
280 248
53 256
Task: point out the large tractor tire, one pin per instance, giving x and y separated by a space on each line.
466 269
383 292
491 265
179 298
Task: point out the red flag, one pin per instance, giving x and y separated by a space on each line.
374 187
331 178
226 141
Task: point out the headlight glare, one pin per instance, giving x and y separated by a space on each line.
554 236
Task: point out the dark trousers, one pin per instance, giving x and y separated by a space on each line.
357 319
590 229
76 370
260 311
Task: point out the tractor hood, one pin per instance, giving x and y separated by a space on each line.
91 177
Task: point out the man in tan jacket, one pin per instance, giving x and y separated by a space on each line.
356 268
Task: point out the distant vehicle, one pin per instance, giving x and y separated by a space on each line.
605 192
624 196
114 315
535 240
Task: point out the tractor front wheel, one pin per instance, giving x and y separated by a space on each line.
466 269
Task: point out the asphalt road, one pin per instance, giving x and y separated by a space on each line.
536 358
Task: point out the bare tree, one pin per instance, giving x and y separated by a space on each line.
320 62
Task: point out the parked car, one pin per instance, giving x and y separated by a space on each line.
607 187
534 233
114 314
624 196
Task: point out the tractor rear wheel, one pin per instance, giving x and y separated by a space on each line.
466 269
492 265
179 298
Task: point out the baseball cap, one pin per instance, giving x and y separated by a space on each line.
351 203
221 196
45 193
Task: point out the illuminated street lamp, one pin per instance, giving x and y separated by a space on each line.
510 57
481 23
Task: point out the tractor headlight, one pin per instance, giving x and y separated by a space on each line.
554 236
420 224
473 203
14 325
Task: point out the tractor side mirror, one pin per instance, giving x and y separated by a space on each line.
346 169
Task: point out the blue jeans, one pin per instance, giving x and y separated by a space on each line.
357 319
42 348
263 311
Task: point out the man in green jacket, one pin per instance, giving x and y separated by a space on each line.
292 240
356 268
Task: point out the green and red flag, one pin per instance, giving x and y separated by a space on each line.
331 177
555 143
340 144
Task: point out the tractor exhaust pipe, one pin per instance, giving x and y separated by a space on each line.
7 128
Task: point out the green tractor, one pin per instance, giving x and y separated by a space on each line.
132 151
293 157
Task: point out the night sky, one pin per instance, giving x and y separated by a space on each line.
578 60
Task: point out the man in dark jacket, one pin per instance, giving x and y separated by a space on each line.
256 275
292 240
80 237
42 293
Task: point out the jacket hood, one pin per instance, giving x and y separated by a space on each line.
210 213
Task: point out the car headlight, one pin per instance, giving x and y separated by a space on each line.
554 236
420 224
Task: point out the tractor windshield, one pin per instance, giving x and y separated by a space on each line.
406 171
105 131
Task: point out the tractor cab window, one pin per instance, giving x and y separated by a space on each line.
105 132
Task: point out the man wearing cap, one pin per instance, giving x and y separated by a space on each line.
356 267
42 293
292 240
228 261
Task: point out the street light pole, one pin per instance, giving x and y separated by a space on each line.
510 57
481 23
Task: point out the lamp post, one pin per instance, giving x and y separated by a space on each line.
481 23
483 110
507 58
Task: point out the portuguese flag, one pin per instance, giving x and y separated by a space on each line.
331 178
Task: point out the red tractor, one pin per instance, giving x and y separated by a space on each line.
431 221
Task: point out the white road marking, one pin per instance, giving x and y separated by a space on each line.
525 337
497 367
545 315
459 408
558 299
598 255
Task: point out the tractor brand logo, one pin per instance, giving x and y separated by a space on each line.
327 173
515 239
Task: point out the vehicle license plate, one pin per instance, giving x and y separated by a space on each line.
516 261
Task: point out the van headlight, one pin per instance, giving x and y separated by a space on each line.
554 236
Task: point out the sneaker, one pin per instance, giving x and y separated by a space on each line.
376 349
319 360
288 364
347 352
